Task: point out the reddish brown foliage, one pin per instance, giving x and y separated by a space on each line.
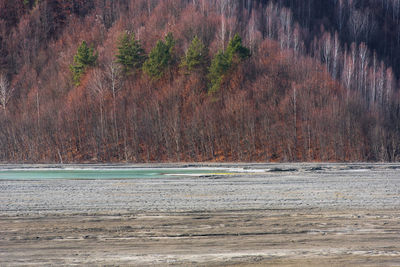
279 105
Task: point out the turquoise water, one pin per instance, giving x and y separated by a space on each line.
51 173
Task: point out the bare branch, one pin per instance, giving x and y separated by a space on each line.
6 92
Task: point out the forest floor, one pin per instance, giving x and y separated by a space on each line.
343 218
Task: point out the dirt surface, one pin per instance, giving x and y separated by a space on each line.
281 237
335 217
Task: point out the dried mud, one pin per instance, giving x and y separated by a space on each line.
294 218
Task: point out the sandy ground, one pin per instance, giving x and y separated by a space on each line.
299 217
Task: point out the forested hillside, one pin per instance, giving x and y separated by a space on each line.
199 80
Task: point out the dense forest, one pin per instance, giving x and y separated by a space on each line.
199 80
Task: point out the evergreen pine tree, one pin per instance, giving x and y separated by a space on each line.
130 55
223 62
84 57
219 66
161 56
235 48
170 42
195 55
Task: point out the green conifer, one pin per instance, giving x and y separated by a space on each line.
161 56
235 48
130 55
223 62
195 56
219 66
84 57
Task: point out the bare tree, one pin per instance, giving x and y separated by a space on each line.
327 49
341 15
270 15
223 8
347 75
353 52
374 70
364 60
380 83
99 89
6 92
112 73
149 6
203 6
336 54
252 31
296 38
370 25
389 86
285 17
357 23
294 99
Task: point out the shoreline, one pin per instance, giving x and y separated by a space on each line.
206 163
198 164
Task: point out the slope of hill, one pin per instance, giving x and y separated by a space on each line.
179 80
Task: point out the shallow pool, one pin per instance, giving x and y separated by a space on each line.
100 173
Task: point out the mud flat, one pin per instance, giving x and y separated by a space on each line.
285 215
